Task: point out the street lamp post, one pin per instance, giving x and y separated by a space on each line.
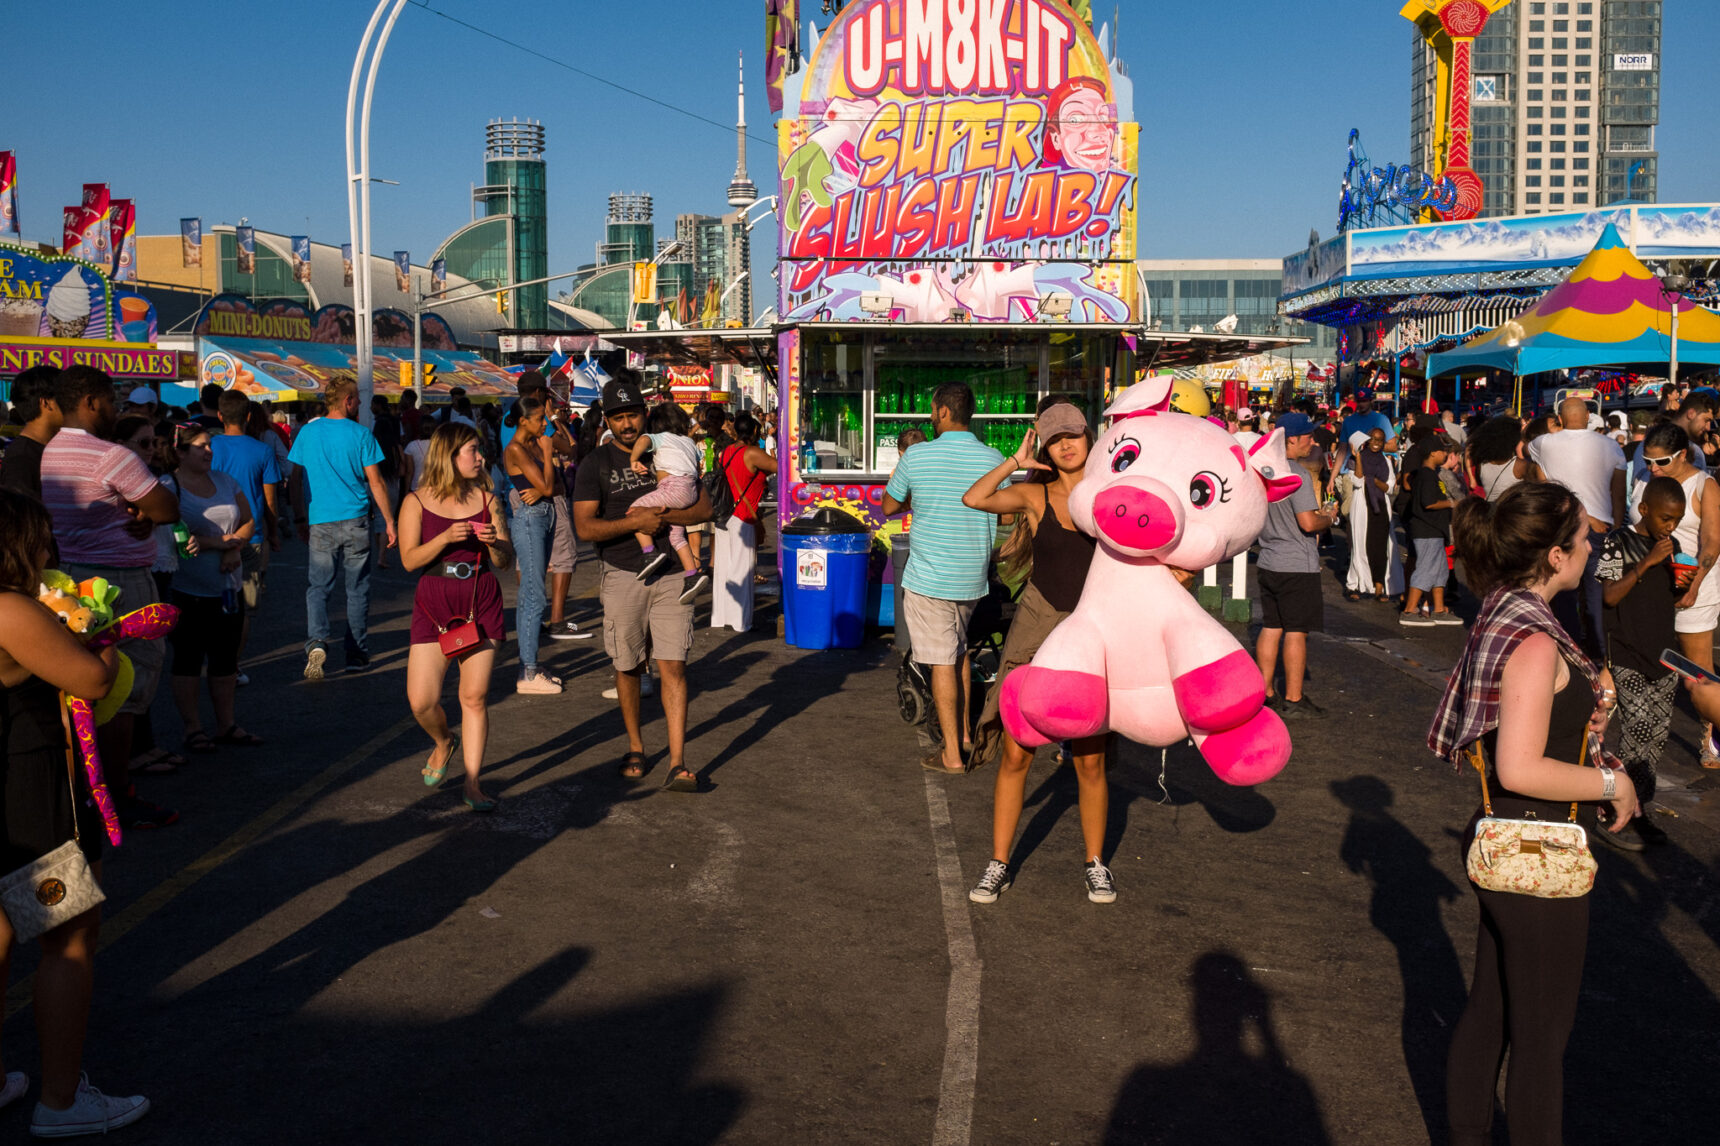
358 191
1673 287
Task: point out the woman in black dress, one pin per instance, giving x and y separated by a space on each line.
40 659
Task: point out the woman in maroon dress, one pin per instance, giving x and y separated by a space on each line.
452 528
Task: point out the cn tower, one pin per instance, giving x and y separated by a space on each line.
742 192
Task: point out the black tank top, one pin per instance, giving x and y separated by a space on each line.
30 721
1567 728
1060 559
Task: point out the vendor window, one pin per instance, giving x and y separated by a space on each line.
832 403
1003 371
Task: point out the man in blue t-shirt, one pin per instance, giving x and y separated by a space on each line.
340 461
257 469
948 557
1364 421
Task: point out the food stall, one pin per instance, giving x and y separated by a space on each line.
281 350
64 311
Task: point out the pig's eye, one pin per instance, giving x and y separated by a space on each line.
1207 489
1123 455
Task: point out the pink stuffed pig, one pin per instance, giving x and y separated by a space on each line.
1139 655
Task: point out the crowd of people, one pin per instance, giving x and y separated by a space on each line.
186 506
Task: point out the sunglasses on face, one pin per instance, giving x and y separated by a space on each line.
1648 461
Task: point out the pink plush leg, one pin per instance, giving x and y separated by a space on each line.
1009 707
1250 753
1059 703
1222 694
84 726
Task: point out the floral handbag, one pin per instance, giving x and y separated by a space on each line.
1544 858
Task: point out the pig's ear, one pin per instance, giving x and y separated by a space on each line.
1268 459
1151 395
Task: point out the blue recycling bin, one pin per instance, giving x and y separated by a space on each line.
824 558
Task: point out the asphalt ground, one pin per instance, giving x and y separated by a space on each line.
324 950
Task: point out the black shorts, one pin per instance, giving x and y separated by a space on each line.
205 633
1291 601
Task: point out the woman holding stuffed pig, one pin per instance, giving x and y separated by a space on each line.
1054 556
206 590
39 799
452 527
1536 707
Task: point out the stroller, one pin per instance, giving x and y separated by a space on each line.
986 632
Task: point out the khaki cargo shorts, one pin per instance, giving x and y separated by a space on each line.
644 616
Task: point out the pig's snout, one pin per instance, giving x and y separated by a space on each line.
1135 518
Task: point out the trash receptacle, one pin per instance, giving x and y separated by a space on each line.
824 557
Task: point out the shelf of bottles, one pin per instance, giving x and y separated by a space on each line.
833 408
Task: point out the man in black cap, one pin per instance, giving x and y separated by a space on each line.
639 617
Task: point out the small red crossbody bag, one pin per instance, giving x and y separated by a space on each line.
460 636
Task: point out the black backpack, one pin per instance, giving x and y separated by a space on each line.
716 483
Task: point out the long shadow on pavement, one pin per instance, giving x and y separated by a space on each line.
1408 888
1226 1091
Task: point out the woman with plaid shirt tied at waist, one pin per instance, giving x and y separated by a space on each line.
1525 691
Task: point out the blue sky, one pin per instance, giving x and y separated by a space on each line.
216 109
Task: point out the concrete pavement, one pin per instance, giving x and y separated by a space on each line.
325 950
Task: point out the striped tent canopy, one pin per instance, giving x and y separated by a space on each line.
1610 311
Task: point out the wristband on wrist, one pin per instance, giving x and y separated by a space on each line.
1609 780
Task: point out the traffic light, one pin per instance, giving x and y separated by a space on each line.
406 375
429 375
501 302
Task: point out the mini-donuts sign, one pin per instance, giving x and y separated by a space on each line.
958 158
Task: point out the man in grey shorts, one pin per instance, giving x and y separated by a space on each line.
638 616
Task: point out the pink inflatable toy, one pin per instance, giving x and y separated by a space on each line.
1139 655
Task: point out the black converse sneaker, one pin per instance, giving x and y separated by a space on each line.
993 882
1100 887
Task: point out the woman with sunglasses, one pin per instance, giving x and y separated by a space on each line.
1666 453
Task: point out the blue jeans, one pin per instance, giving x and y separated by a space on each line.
531 529
346 543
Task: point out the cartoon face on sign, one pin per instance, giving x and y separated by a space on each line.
1083 131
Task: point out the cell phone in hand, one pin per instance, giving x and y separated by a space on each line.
1687 668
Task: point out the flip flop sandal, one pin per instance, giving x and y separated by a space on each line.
633 766
433 775
934 762
682 780
200 743
1352 595
159 762
238 736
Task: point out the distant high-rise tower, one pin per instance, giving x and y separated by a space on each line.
737 256
514 178
742 193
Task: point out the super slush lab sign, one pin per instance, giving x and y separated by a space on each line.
957 157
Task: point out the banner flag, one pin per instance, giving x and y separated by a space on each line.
301 245
438 276
247 240
9 224
122 217
346 263
403 271
191 242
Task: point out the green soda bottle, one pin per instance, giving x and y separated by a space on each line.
182 540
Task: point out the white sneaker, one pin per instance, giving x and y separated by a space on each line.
241 680
1100 886
92 1112
537 684
16 1084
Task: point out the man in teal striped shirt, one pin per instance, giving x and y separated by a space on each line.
948 556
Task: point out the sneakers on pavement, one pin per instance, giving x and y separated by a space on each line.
1647 830
569 631
993 882
1445 617
1303 709
144 815
315 657
653 565
92 1112
537 683
357 662
647 687
1420 619
13 1086
1100 887
1617 841
241 680
695 585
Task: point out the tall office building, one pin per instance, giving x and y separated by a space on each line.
1565 101
628 233
508 238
